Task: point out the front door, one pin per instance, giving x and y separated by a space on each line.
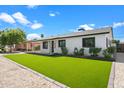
52 46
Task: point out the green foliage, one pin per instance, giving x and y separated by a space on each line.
94 51
81 52
64 50
15 36
36 48
3 39
2 50
76 51
12 36
109 52
106 54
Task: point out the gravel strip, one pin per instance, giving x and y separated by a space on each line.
14 76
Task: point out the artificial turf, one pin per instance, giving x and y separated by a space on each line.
73 72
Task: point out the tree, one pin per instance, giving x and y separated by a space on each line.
3 39
42 35
11 37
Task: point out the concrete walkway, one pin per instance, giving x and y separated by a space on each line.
120 57
117 73
15 76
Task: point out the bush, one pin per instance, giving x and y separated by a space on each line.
64 50
2 50
36 48
94 51
76 51
106 54
109 52
91 51
81 52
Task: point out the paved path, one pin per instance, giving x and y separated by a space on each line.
117 73
120 57
12 75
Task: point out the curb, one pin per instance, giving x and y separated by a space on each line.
38 74
112 76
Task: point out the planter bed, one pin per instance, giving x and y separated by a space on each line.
88 57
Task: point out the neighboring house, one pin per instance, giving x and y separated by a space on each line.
28 45
121 47
100 38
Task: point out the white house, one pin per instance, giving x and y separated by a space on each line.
100 38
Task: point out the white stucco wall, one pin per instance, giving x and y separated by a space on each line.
76 42
45 51
71 43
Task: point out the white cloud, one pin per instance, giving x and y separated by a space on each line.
21 18
118 24
7 18
33 36
32 6
87 26
24 21
92 25
52 14
36 25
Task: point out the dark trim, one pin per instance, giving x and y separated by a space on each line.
43 46
61 41
77 36
52 48
88 38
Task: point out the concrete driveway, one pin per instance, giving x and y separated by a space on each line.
118 77
120 57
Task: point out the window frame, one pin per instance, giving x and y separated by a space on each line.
83 42
44 46
59 44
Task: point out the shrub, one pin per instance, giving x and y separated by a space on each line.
2 50
106 54
64 50
76 51
109 52
36 48
91 51
81 52
94 51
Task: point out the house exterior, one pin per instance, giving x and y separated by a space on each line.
121 47
100 38
27 46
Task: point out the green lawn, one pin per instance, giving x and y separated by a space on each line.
73 72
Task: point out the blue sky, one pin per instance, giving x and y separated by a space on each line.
53 20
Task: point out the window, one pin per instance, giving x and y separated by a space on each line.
89 42
62 43
45 45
